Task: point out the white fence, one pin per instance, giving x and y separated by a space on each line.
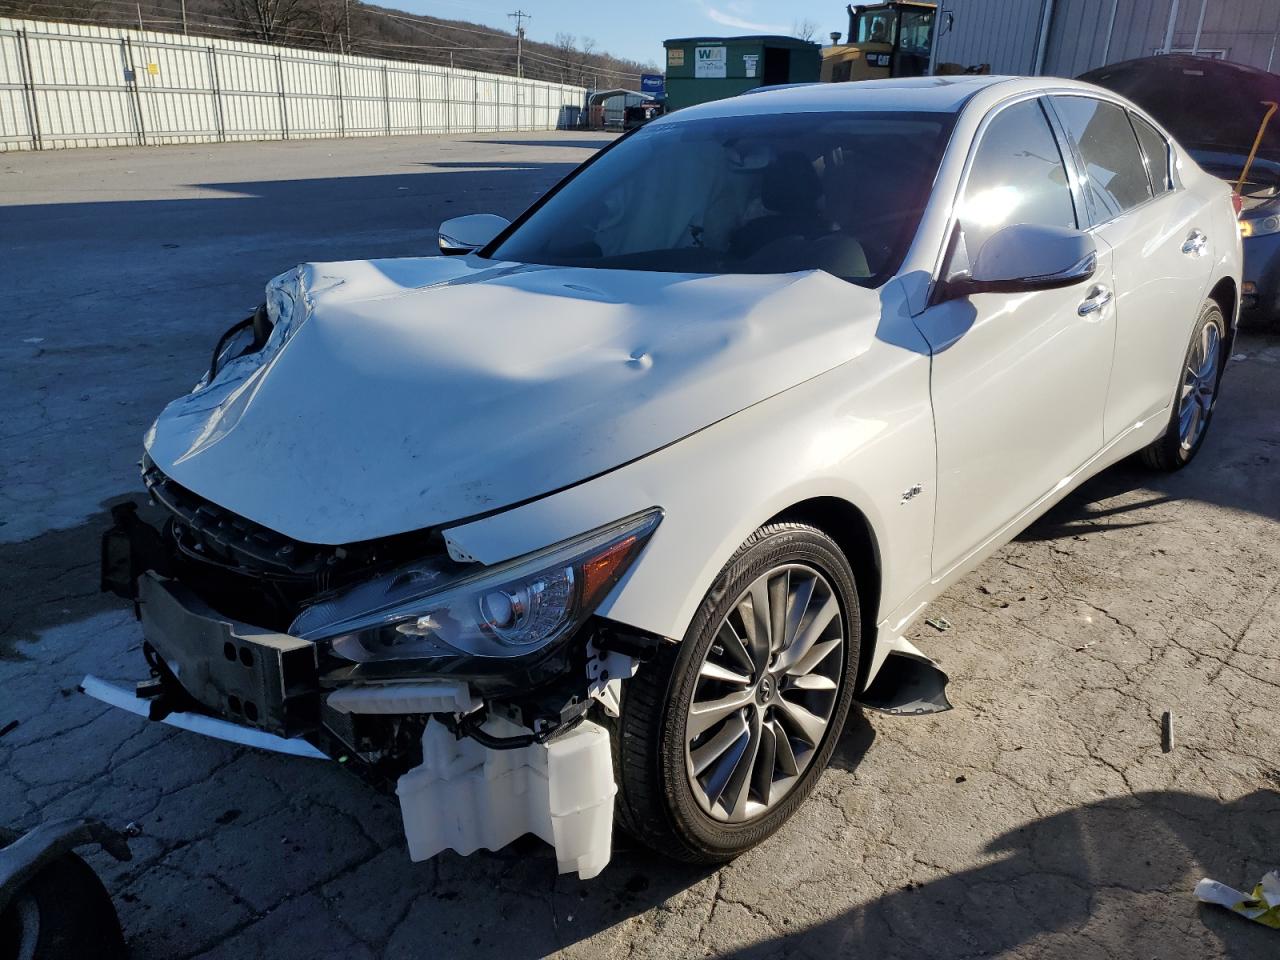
70 85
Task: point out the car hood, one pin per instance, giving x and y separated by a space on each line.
1210 106
396 395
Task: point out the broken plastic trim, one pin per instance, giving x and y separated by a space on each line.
908 684
198 723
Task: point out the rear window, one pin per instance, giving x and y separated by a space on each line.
1115 175
1156 149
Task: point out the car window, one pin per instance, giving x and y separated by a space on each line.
1017 176
1156 149
1115 177
841 192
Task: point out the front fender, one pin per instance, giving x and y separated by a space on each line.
862 433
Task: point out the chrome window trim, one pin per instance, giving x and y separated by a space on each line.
1096 224
1134 119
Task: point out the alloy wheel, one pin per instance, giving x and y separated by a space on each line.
1199 384
765 693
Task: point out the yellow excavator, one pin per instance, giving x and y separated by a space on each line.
890 39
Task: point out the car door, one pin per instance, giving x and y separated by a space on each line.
1161 250
1018 381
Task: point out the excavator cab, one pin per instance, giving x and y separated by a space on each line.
890 39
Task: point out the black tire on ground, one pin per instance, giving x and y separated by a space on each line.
656 804
1167 452
72 913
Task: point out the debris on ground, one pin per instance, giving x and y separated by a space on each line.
1166 731
1262 906
941 624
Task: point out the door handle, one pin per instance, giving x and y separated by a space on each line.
1099 297
1196 244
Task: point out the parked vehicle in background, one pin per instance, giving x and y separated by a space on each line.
640 114
1222 115
642 491
892 39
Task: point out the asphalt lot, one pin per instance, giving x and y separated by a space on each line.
1038 819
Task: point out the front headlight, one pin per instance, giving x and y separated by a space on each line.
420 611
1260 226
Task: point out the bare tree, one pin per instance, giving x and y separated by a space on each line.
586 61
566 46
271 20
804 29
329 23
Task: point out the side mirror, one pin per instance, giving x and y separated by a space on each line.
470 233
1021 258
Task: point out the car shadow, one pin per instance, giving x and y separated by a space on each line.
1117 874
603 141
53 579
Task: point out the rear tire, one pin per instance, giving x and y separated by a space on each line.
1196 397
733 801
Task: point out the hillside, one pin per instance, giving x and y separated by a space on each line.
372 31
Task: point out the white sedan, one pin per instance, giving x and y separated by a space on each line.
639 493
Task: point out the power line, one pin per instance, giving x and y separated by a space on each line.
552 67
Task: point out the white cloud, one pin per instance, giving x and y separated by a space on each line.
738 23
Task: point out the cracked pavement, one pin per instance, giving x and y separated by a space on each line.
1039 819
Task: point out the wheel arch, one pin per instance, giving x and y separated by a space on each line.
853 533
1225 295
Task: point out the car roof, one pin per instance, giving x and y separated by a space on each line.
944 94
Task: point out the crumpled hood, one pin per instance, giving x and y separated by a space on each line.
395 395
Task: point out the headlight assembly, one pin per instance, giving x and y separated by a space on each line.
1260 226
421 611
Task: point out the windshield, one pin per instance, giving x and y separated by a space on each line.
840 192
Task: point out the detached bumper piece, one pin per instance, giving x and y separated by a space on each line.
198 722
466 796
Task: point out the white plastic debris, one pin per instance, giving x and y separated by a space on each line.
466 796
1262 906
605 672
428 696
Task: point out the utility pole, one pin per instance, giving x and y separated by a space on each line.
138 7
346 18
520 16
184 17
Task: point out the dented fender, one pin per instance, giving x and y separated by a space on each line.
866 438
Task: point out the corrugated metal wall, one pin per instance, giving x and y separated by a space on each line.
1089 33
70 85
1002 33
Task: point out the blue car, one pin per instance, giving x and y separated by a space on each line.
1218 111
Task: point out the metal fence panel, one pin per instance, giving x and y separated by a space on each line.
74 85
16 128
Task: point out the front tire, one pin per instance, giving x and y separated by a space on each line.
62 913
724 735
1196 397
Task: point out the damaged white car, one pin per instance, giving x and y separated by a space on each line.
638 494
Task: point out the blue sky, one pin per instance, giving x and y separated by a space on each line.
636 30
